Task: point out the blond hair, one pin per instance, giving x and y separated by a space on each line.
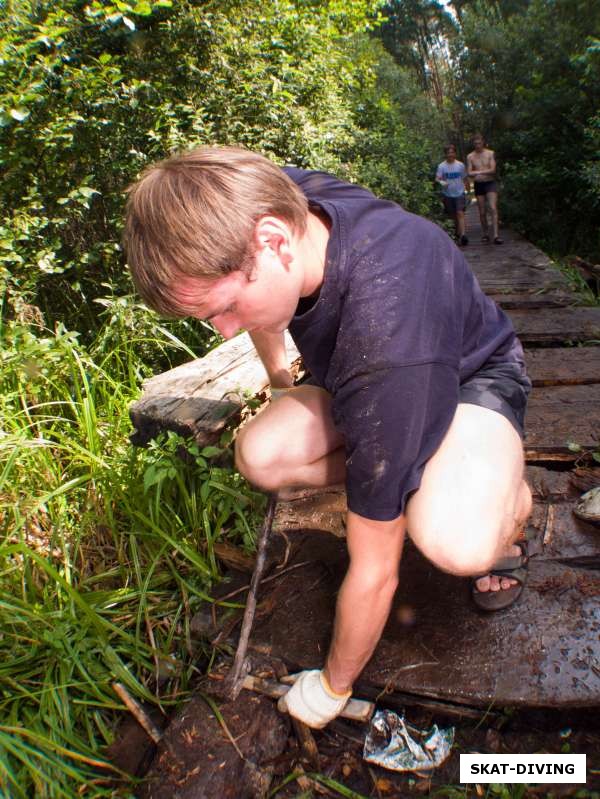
194 214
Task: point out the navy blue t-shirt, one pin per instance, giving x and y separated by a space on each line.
399 323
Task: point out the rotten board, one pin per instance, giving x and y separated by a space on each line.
544 651
555 326
563 366
198 398
560 417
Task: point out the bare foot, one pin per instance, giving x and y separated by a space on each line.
491 582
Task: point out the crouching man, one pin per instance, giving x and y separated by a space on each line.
419 384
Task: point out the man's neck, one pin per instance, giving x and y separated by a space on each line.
312 248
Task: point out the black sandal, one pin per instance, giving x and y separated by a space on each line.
514 567
485 239
498 240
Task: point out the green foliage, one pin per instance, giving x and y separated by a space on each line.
92 94
105 552
398 134
530 78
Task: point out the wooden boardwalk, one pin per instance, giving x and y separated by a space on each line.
544 651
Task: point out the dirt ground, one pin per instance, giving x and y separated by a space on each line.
252 749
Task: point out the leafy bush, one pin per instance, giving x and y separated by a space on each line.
105 552
91 94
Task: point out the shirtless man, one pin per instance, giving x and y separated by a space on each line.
481 166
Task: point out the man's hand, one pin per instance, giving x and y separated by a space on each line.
312 701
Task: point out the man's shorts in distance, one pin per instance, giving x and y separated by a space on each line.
485 187
502 387
454 204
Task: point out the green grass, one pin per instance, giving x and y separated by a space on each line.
105 552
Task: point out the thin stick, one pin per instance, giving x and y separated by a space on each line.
234 679
138 712
266 580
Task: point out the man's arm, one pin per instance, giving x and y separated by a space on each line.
466 181
471 168
365 597
363 605
272 352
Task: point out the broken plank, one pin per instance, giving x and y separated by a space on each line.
563 366
566 538
541 652
549 484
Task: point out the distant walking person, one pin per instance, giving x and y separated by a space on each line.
452 177
481 166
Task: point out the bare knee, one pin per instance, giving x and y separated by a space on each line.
463 551
257 456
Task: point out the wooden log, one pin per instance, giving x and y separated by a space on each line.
199 398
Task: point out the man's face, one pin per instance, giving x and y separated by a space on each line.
450 154
478 143
266 299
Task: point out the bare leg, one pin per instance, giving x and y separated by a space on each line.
460 224
471 505
481 206
469 508
492 199
292 442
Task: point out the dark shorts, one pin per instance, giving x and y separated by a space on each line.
485 187
502 387
454 204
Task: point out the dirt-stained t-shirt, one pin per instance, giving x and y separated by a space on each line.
399 323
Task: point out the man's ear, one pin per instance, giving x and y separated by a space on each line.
274 234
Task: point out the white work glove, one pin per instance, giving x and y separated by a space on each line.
312 700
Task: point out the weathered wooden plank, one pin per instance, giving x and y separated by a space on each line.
510 278
543 651
554 326
198 398
560 416
563 366
534 298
